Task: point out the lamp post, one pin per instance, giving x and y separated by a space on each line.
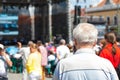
32 15
69 22
50 19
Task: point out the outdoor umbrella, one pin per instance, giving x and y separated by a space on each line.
11 50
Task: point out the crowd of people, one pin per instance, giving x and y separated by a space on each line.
91 61
78 61
37 60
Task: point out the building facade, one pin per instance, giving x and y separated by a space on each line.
108 10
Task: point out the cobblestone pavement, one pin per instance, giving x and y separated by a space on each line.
18 76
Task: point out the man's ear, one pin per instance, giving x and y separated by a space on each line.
75 42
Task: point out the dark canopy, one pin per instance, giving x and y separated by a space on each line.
27 2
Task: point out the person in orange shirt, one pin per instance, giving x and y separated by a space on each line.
111 51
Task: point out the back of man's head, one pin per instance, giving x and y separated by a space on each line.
62 42
85 33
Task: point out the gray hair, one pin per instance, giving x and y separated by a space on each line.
85 33
62 41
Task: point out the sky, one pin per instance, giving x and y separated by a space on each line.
83 3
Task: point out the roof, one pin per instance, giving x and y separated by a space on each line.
101 3
104 2
27 2
116 1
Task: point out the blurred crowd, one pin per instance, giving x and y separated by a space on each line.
25 59
38 60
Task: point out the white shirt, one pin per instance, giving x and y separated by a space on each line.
51 57
63 51
3 65
25 53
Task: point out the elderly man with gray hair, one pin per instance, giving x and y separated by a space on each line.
85 64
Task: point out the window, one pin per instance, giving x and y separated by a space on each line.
115 20
108 20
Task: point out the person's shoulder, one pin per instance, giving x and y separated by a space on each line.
31 55
58 46
24 48
104 60
66 46
68 59
62 47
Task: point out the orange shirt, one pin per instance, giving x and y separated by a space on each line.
107 53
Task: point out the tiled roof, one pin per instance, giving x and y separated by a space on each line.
116 1
103 2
